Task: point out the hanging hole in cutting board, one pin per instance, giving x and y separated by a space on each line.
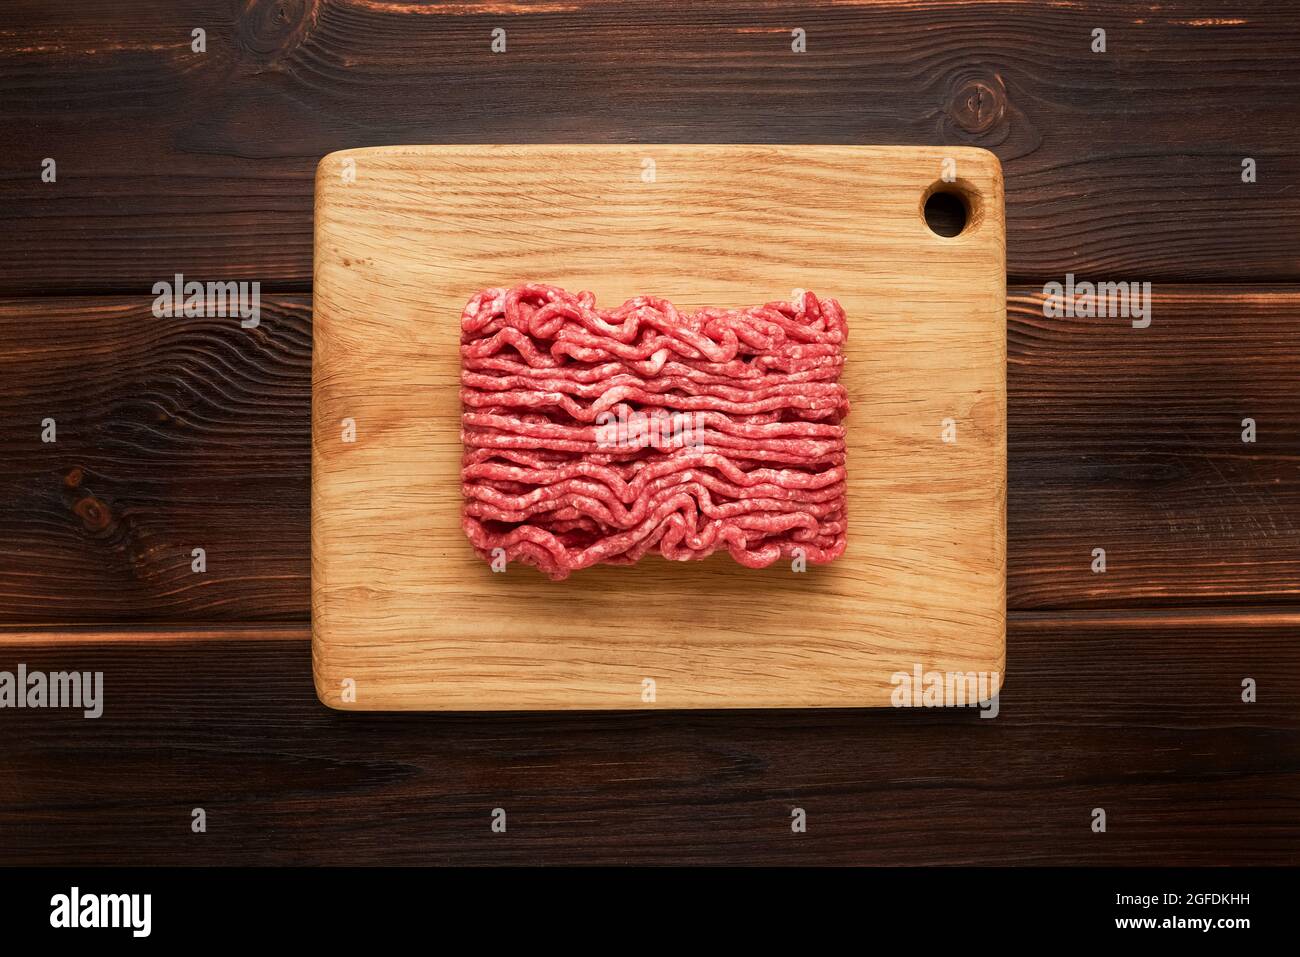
948 209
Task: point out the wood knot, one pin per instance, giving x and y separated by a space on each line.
93 513
978 104
74 477
271 29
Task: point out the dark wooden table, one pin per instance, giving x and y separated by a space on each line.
1124 689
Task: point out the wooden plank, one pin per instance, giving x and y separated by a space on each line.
1131 440
171 160
192 433
14 637
404 609
171 435
1137 713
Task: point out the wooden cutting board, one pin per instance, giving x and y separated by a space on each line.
405 616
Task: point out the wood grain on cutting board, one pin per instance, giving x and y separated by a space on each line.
401 605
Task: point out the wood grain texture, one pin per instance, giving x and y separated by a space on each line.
1125 164
1131 440
404 610
1135 713
172 434
1119 438
16 637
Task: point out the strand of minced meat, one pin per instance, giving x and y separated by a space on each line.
543 373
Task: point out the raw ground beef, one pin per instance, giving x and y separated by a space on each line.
595 435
